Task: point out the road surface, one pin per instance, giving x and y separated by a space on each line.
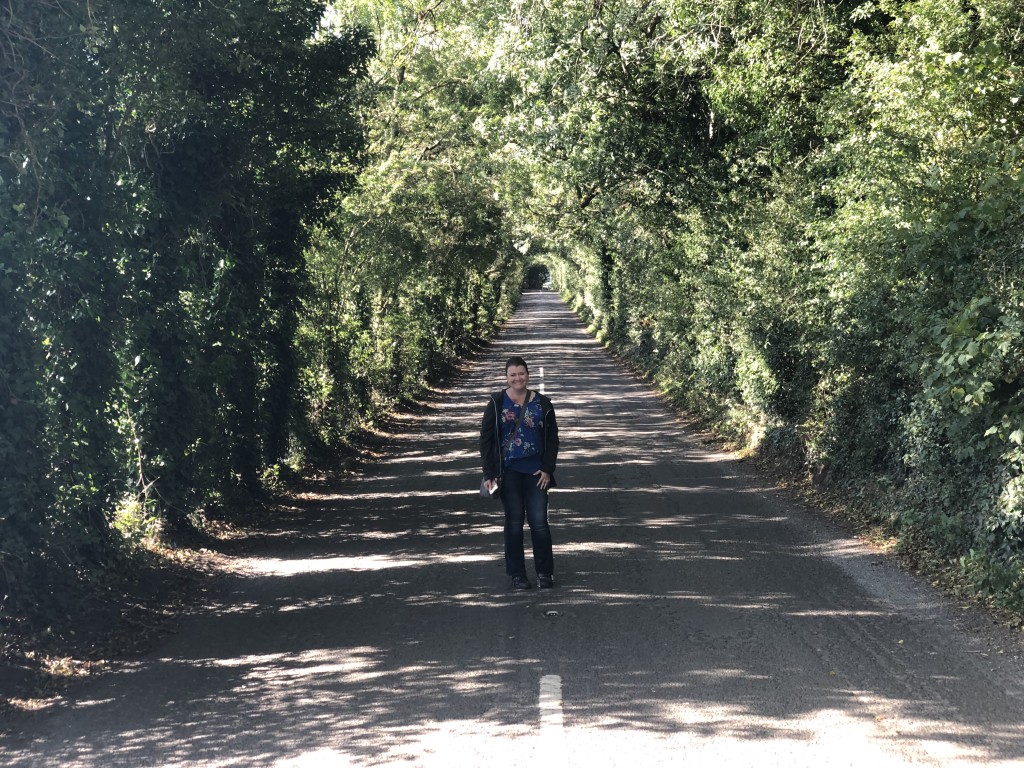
698 619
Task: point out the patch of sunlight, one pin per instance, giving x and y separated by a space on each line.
760 518
318 758
462 599
94 702
742 603
420 435
727 674
837 613
567 456
596 547
332 601
385 535
657 490
445 473
403 493
326 669
478 530
727 736
278 567
621 598
668 522
413 456
467 558
407 494
358 658
843 549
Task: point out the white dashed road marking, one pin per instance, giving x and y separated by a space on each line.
550 704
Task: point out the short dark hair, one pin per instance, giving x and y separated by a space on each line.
514 361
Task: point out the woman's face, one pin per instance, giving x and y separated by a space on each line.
517 377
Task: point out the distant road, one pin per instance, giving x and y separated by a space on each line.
698 618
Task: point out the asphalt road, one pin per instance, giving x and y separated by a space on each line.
699 618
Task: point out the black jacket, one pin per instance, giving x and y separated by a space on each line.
490 436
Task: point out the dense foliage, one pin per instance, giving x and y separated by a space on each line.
236 232
189 301
804 220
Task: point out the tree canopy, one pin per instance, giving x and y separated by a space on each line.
235 233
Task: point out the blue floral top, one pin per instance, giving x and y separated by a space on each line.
526 453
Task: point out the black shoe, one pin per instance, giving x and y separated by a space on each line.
520 582
544 581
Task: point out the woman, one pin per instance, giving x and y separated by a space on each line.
518 447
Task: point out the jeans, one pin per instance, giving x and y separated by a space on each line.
525 502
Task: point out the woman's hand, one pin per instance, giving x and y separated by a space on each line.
491 485
543 479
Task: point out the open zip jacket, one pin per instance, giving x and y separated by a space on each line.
490 436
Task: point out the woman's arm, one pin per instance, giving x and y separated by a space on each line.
550 439
488 441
